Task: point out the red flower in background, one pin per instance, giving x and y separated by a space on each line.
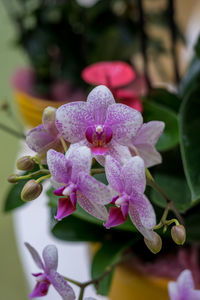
116 75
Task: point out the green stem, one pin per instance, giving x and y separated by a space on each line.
97 171
43 178
81 293
73 281
11 131
40 172
63 144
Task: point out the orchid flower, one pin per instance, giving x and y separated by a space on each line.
143 144
129 182
49 274
70 173
101 124
45 136
184 288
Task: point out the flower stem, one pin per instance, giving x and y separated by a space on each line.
40 172
43 178
73 281
11 131
63 144
97 171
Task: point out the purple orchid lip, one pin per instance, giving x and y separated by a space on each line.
99 136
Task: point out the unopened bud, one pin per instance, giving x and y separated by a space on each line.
13 178
31 190
25 163
155 244
178 234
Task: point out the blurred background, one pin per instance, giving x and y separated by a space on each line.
45 46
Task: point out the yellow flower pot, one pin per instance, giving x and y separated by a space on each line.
31 108
128 284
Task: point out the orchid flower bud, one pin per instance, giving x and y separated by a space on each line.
25 163
31 190
178 234
155 244
13 178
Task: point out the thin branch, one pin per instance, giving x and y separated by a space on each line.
143 41
12 131
173 34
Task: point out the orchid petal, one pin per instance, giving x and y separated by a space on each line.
185 284
96 210
50 256
59 166
115 218
194 295
124 122
149 133
65 208
133 173
113 174
93 189
40 290
81 160
135 217
173 291
149 154
38 138
99 99
49 120
35 256
72 119
144 209
61 286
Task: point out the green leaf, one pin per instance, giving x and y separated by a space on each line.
165 98
105 257
176 187
13 198
170 137
189 139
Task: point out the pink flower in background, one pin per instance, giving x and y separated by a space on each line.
70 173
101 124
45 136
183 288
116 75
143 144
129 182
49 274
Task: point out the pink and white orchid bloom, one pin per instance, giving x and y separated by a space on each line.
129 182
101 124
49 274
183 288
70 173
45 136
143 144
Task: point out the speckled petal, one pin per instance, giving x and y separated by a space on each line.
113 174
149 154
59 166
72 120
50 256
38 138
96 210
173 291
144 209
124 122
81 159
94 190
149 133
61 286
133 173
35 256
99 99
185 284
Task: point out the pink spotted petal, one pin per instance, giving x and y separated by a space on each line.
49 120
38 138
173 291
35 256
96 210
50 256
185 284
149 133
144 209
94 190
99 99
149 154
113 174
59 167
81 159
61 286
72 120
135 217
40 290
133 173
124 122
65 208
115 218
